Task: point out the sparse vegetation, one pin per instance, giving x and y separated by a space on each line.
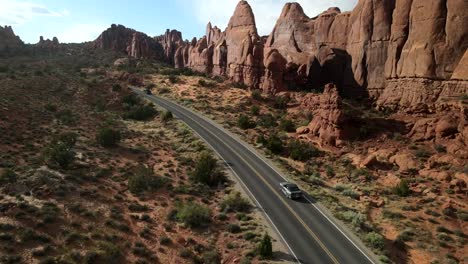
244 122
207 170
108 137
145 180
402 189
193 214
301 151
235 202
265 248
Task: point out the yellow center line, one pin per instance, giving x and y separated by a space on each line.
274 191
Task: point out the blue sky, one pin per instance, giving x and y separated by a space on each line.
84 20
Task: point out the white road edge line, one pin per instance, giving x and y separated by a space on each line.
280 174
250 193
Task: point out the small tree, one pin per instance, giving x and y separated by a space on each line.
8 176
107 137
265 248
166 116
145 180
60 150
207 170
375 240
244 122
287 125
301 151
193 215
235 202
257 95
402 189
274 144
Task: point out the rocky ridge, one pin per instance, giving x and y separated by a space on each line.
8 39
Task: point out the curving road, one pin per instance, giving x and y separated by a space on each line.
311 235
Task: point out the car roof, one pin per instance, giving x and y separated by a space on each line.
288 184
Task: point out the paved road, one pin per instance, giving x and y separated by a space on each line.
309 234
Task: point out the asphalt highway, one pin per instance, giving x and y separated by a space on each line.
311 235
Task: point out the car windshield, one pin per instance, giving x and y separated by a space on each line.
293 188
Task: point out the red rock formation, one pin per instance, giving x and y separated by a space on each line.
329 124
8 39
245 47
129 41
48 44
201 55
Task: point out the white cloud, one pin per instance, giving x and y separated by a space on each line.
14 12
81 33
266 12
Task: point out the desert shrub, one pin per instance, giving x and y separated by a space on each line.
287 125
235 202
8 176
257 95
422 153
193 214
66 117
375 240
440 148
108 252
145 180
211 257
174 79
280 102
164 240
141 113
116 87
330 171
356 219
274 144
234 228
166 116
164 90
131 100
255 110
244 122
265 248
108 137
60 151
402 189
301 151
207 171
50 107
207 84
267 121
240 85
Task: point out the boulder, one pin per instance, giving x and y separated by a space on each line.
404 161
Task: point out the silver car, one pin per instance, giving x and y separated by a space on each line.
290 190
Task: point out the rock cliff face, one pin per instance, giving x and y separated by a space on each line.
406 54
8 39
135 44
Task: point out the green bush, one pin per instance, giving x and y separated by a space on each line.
145 180
131 100
375 240
66 117
287 125
244 122
8 176
265 248
108 137
207 84
211 257
402 189
280 102
274 144
255 110
235 202
301 151
207 170
174 79
141 113
240 85
60 151
116 87
267 121
166 116
193 215
233 228
257 95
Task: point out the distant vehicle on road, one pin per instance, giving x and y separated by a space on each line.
291 190
148 92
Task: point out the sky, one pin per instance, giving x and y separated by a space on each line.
80 21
